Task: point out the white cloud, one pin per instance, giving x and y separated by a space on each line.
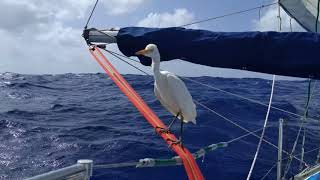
58 9
270 21
36 39
177 18
119 7
40 36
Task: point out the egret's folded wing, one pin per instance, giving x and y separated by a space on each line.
180 93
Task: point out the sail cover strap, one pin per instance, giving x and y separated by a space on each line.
189 162
290 54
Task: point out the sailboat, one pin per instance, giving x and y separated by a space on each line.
293 54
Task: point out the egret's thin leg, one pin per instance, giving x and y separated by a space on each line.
171 123
181 130
179 141
167 130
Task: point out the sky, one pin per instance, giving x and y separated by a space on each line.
44 37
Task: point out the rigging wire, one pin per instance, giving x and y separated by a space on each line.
318 157
169 162
274 165
304 128
245 98
243 128
245 135
230 14
203 20
94 7
279 16
317 19
261 3
268 172
263 131
310 94
115 55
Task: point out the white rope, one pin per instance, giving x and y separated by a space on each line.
263 131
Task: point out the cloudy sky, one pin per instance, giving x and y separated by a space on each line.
44 37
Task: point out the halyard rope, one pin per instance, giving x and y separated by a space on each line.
263 131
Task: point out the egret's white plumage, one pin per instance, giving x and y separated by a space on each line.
170 89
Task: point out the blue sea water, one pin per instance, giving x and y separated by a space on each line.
50 121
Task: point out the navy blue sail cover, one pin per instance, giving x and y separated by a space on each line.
290 54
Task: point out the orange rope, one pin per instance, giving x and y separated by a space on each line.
188 160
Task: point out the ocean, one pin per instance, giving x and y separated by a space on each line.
50 121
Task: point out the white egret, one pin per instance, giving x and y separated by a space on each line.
170 91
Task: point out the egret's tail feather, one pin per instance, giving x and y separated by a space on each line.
187 121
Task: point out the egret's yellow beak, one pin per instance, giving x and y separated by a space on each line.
143 52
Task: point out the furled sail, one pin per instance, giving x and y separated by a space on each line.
305 12
290 54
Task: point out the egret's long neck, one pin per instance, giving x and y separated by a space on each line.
156 67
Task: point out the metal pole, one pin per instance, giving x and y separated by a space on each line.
76 170
280 149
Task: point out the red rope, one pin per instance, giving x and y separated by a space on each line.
188 160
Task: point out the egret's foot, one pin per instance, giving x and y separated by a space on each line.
163 130
177 142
